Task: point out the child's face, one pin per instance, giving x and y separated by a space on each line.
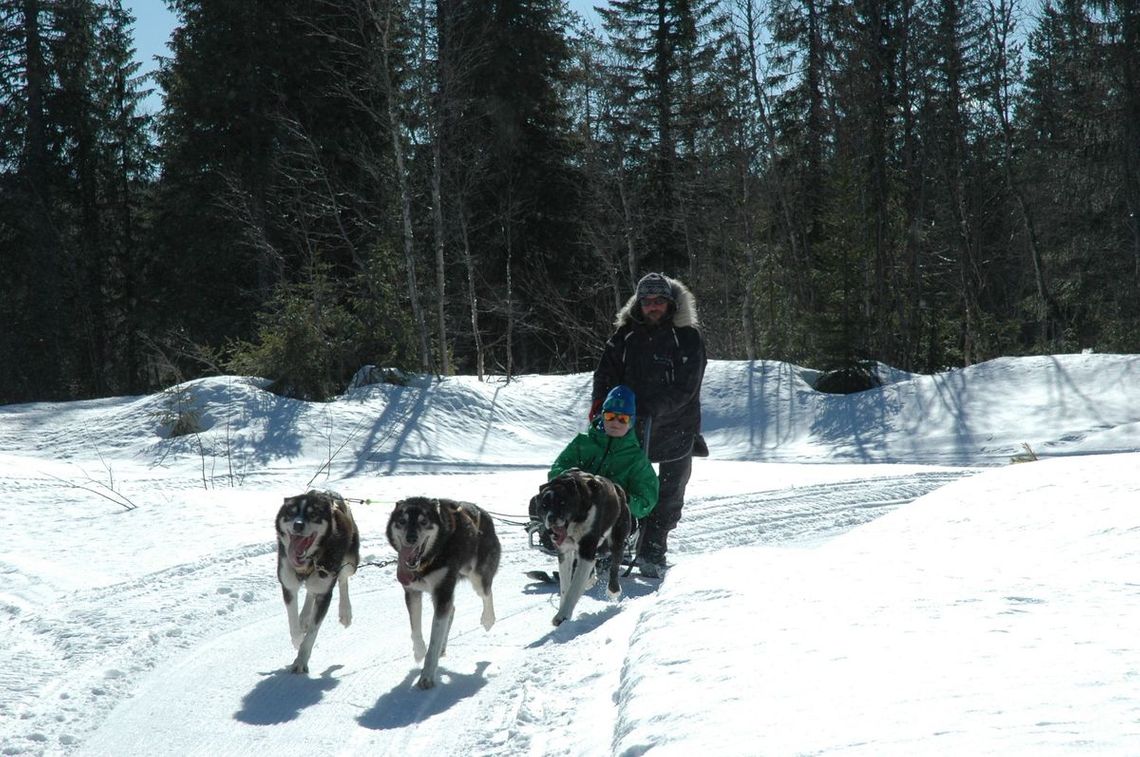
616 424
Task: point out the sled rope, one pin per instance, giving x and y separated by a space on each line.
359 501
509 520
375 564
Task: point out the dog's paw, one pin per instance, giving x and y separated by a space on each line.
488 619
419 650
425 683
297 639
558 619
299 667
346 617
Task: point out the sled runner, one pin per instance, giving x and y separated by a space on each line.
628 560
551 577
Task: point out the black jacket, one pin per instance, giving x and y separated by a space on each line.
664 365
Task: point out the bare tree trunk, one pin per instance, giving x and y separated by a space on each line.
966 264
956 138
510 307
778 183
746 306
508 240
395 128
440 260
472 293
436 116
1001 27
627 218
751 23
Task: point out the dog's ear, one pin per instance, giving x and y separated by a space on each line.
341 516
620 494
582 484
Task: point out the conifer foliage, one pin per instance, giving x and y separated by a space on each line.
475 185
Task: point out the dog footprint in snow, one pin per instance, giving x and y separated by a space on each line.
246 596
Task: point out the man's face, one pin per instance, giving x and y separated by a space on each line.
653 309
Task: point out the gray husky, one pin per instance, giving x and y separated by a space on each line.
439 541
318 546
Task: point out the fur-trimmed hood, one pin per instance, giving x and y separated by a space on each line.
684 311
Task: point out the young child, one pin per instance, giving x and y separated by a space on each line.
610 448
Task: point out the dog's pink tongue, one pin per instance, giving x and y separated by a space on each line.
403 573
559 535
298 548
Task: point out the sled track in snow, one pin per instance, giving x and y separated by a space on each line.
799 514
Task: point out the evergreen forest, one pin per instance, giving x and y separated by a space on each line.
475 186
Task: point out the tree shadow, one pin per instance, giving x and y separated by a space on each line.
281 695
405 704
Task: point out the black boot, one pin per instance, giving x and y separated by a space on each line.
651 555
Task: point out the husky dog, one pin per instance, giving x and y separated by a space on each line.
586 514
318 545
438 542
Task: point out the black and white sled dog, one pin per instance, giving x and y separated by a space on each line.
318 546
585 513
439 541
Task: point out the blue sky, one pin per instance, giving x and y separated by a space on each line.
153 22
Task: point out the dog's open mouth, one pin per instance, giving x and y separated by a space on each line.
408 563
298 548
559 534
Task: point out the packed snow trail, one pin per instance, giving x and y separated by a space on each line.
505 690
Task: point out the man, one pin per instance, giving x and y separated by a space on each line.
658 352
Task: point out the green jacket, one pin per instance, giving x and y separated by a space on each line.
618 458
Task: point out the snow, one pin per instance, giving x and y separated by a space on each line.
854 575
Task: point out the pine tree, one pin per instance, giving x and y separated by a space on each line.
127 165
666 70
1076 137
78 175
31 264
510 185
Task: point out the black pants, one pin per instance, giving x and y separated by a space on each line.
674 477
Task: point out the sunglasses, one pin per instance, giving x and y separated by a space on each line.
619 417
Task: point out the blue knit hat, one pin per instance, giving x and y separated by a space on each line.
621 399
654 285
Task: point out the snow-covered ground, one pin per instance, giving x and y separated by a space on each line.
861 574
